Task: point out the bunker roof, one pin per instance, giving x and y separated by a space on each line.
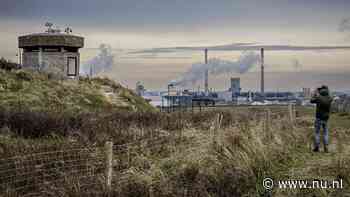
50 39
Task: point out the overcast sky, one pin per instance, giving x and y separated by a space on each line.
144 24
170 22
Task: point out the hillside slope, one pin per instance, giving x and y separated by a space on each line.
24 89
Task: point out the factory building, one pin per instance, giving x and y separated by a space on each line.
52 51
235 87
306 92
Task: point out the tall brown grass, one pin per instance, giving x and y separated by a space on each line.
217 153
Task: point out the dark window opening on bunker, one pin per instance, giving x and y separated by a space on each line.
72 66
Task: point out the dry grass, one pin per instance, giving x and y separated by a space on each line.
34 91
220 153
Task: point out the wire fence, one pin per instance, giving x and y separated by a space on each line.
39 172
33 172
342 105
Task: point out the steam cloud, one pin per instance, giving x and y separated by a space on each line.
344 25
216 67
297 65
102 62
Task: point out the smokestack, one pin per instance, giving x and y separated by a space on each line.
206 86
262 85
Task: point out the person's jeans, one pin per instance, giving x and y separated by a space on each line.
318 125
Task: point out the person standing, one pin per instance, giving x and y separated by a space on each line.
323 102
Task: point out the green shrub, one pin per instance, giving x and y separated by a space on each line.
23 75
8 65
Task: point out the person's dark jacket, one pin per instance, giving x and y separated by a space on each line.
323 103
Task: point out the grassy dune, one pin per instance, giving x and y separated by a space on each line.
25 89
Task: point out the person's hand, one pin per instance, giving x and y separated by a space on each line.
315 93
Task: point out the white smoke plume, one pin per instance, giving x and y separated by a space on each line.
217 66
344 27
297 65
102 62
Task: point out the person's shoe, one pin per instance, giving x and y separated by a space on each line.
325 148
316 149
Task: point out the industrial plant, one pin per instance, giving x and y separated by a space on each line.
177 97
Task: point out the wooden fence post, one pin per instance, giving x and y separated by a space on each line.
216 133
218 127
150 191
267 120
109 165
128 156
291 113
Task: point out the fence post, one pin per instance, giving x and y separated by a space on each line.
218 127
216 133
150 191
109 164
269 117
128 155
264 121
291 113
268 124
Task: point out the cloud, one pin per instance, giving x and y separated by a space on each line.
242 47
344 25
192 48
154 50
152 56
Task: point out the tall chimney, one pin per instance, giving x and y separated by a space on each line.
262 84
206 85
